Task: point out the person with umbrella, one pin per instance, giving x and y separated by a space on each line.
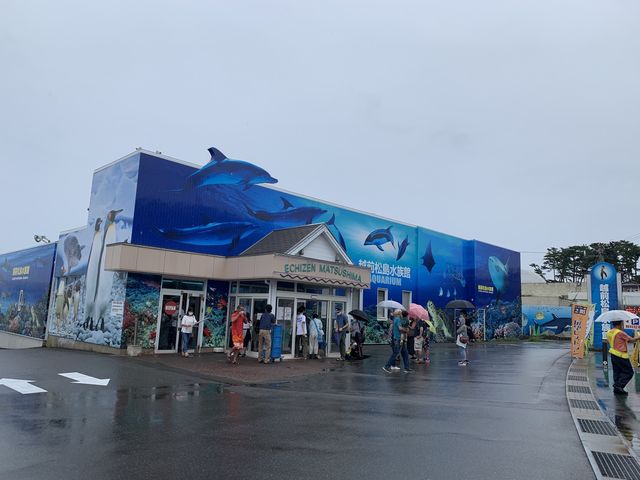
622 369
398 347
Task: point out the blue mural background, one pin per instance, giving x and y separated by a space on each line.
226 219
25 278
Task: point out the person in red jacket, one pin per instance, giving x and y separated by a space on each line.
238 318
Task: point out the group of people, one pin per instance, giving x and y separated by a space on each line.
311 337
241 334
408 336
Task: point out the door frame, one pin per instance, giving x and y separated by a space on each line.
180 293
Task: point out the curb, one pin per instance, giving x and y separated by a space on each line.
608 452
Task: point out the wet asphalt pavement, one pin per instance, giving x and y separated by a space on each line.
624 411
503 417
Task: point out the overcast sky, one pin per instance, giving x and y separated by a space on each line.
512 122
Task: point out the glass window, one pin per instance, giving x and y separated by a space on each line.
234 287
406 299
286 286
178 284
340 292
315 289
382 296
253 287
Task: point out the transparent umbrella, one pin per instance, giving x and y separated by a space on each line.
615 316
391 304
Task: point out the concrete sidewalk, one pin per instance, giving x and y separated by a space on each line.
216 367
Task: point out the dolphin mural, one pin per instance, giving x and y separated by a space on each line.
229 233
402 248
332 221
379 237
427 259
499 273
224 171
289 215
559 323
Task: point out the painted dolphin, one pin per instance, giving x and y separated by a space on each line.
499 273
289 215
224 171
332 221
402 248
559 323
379 237
229 233
427 259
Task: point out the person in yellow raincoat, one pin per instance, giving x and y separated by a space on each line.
622 369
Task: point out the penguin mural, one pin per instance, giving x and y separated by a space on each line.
105 283
75 300
60 299
93 269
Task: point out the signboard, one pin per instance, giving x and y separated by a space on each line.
604 295
170 308
579 321
117 308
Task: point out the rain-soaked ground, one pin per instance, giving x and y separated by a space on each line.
503 417
624 411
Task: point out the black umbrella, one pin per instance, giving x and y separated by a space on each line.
460 304
359 314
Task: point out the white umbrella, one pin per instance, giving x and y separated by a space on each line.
615 316
391 304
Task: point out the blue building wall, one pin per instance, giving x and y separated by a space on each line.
226 219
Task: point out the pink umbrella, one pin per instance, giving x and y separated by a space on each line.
418 311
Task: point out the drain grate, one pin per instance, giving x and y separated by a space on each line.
579 389
578 370
585 404
578 378
596 427
617 466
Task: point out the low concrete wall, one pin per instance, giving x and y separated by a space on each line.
13 341
60 342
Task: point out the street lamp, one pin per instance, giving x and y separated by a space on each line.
41 239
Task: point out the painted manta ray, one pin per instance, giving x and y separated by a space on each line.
224 171
289 215
379 237
427 259
211 234
402 248
332 221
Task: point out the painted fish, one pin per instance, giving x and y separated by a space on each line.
402 248
332 221
448 293
224 171
427 259
379 237
559 323
437 320
289 215
441 292
499 273
229 233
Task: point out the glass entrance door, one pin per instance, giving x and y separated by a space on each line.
167 330
173 306
285 317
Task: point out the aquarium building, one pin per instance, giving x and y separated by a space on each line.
163 235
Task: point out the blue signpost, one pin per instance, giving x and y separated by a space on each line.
604 295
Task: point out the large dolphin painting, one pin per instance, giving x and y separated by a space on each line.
402 248
332 222
224 171
211 234
289 215
379 237
499 273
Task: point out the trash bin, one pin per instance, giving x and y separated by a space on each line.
276 343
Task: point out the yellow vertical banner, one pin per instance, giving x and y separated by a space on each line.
579 321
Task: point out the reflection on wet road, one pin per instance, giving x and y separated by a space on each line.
622 410
504 416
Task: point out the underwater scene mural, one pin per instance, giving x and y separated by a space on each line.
89 301
141 307
25 278
545 320
215 314
222 208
